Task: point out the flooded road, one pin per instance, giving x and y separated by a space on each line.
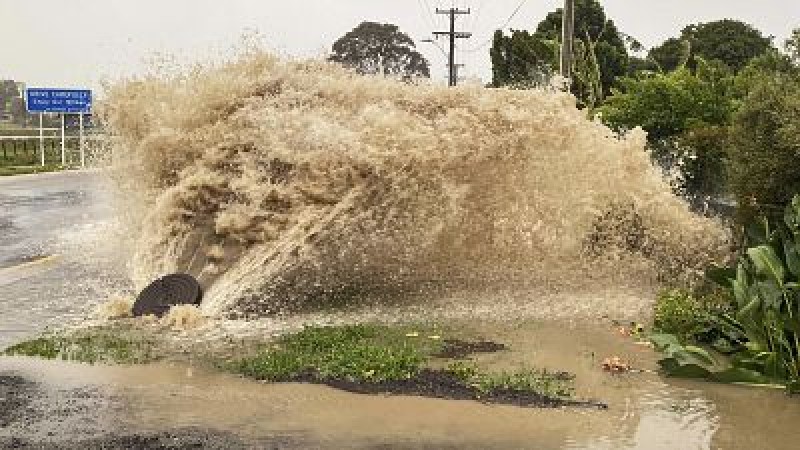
645 411
55 264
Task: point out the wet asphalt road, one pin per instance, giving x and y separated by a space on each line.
53 269
48 269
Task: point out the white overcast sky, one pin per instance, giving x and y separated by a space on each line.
79 43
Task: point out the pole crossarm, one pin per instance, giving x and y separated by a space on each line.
453 35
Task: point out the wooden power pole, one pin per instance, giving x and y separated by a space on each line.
567 36
453 34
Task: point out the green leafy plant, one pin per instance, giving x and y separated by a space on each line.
763 333
678 313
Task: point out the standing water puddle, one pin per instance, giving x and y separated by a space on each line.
645 410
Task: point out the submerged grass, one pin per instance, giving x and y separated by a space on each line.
364 358
552 384
390 358
88 347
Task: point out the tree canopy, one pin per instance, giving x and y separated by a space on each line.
666 105
670 55
520 58
765 149
374 48
732 42
600 52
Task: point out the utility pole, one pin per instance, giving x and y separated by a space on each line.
453 34
567 36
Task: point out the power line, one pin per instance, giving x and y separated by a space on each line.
505 24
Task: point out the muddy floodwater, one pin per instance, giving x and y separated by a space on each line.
71 402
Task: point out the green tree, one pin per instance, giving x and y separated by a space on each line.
667 105
732 42
765 149
768 65
521 59
685 115
600 53
374 48
670 55
592 29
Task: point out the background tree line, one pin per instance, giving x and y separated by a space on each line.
720 102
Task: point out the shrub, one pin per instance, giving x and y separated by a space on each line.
765 151
679 313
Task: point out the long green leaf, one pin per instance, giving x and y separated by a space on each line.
752 306
700 354
740 286
767 263
675 368
665 342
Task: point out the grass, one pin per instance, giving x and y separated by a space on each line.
355 352
24 170
380 354
557 385
88 347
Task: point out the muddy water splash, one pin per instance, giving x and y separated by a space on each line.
279 183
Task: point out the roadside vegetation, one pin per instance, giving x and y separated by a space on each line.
720 103
755 337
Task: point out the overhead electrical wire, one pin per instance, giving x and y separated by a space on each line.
505 24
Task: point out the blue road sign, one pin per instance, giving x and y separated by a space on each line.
59 100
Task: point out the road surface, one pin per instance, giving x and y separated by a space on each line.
53 264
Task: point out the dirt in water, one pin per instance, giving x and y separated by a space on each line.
645 410
283 184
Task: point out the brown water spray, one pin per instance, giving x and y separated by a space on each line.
283 184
